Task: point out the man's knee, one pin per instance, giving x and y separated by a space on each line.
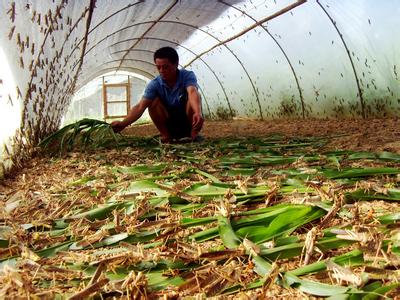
155 103
157 106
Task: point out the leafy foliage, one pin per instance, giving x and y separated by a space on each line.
86 133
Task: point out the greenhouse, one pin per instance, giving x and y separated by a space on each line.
283 181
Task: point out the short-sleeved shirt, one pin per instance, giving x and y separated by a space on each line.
171 97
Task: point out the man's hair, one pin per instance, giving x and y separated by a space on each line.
167 52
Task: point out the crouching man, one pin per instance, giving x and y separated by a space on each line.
172 98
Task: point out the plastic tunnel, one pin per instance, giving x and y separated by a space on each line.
258 59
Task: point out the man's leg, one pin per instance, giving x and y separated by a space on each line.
159 114
190 113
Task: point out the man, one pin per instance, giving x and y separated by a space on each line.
172 98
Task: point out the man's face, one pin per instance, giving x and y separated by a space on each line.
166 69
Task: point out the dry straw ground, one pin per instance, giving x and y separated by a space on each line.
40 207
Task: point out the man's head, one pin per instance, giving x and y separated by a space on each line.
166 60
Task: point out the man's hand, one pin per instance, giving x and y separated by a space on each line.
134 113
118 126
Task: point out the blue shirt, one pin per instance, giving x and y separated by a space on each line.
170 96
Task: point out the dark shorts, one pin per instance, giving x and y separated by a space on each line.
178 124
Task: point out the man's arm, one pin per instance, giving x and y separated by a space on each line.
195 105
133 115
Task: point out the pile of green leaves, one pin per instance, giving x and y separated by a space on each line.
83 134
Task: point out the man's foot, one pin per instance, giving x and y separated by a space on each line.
165 139
198 139
184 140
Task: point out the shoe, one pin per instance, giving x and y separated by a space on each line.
165 140
185 140
198 139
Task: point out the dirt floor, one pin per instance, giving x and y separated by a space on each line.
352 134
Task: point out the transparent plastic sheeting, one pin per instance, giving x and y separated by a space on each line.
254 59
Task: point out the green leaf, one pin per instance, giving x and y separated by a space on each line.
82 180
189 222
162 264
359 172
263 218
390 219
287 240
207 175
10 262
295 249
256 161
268 209
52 251
227 234
353 258
314 288
381 291
233 171
362 155
389 156
141 237
262 267
143 186
372 286
334 160
98 213
202 190
4 243
282 252
389 195
110 240
157 281
142 169
284 223
205 235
